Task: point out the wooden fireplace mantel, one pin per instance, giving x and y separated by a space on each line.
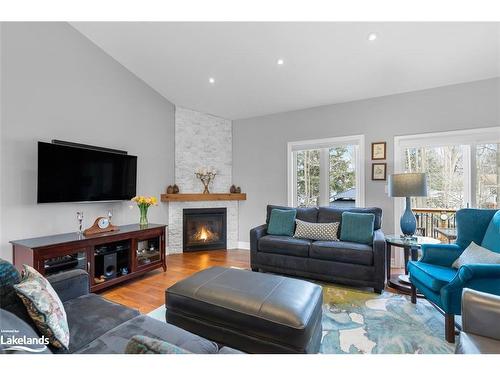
203 197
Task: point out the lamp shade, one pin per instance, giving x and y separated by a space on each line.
408 185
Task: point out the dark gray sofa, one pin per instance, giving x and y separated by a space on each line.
99 326
334 261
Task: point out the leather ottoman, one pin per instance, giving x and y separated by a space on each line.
249 311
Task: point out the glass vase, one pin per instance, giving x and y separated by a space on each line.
144 215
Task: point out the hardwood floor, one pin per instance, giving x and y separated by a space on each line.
146 293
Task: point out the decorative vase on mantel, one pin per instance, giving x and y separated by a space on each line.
144 203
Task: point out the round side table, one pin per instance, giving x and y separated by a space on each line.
410 248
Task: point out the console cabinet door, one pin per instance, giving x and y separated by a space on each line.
62 259
147 250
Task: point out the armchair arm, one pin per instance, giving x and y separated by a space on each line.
481 313
480 277
440 254
255 234
70 284
471 272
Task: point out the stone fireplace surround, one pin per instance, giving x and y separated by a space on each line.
201 140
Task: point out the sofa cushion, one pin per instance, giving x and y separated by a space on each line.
357 227
330 214
432 276
309 214
44 307
282 222
139 344
284 245
491 239
115 341
90 316
343 252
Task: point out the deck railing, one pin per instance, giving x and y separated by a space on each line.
437 223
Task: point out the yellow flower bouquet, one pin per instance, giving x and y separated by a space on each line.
144 203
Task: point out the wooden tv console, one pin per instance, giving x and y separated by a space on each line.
137 250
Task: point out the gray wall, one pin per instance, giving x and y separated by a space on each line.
259 144
56 84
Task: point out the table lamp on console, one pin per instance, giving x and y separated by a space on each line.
408 185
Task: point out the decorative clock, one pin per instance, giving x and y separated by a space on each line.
101 225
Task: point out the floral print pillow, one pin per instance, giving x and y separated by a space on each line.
44 307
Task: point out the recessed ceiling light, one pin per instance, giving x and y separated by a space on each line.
280 62
211 80
372 37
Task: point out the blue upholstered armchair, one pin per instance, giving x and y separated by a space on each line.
442 285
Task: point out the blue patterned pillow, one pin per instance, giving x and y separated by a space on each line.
146 345
8 277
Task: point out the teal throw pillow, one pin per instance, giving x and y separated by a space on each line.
491 239
357 227
9 276
282 222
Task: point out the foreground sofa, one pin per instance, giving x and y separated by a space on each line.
99 326
334 261
480 329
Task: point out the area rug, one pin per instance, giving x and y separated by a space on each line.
357 322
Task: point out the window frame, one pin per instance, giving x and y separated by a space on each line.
324 144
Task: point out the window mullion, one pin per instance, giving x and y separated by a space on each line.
469 196
324 177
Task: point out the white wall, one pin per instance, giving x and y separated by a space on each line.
56 84
259 144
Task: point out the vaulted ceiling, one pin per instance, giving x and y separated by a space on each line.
323 63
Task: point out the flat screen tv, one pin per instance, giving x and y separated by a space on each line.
76 174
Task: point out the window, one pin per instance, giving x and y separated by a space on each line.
462 167
307 181
326 172
444 166
487 175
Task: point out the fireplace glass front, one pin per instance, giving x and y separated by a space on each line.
204 229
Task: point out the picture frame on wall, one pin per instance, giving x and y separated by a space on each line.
379 150
379 171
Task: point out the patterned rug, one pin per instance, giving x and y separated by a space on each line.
357 321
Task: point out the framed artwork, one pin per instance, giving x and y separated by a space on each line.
379 150
379 171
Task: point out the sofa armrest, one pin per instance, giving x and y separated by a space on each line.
379 256
440 254
70 284
481 313
255 234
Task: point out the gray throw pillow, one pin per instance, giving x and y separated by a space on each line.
316 231
475 254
